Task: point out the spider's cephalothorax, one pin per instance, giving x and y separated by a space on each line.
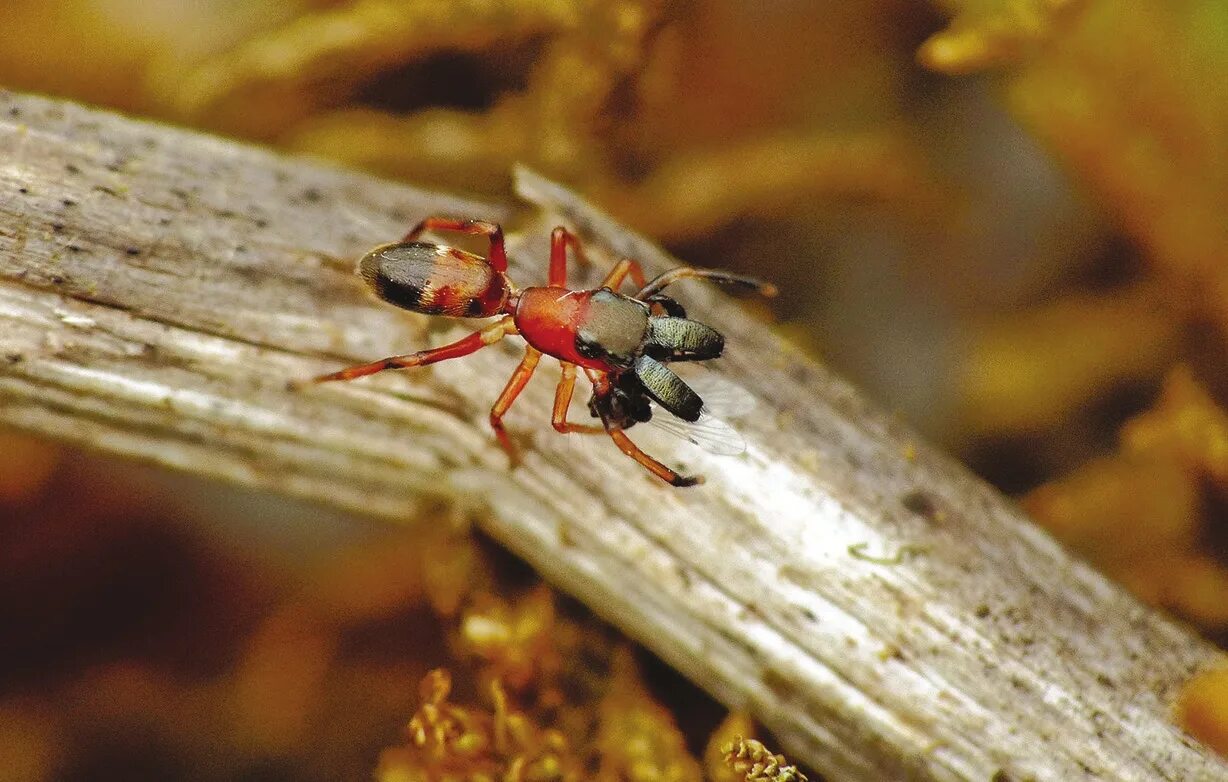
622 343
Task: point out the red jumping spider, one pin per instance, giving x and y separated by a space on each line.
621 342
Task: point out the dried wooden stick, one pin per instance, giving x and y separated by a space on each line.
885 613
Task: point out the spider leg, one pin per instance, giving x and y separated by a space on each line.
515 385
601 385
620 271
462 347
497 255
562 401
560 240
716 275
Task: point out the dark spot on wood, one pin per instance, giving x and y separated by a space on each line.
811 616
14 358
164 221
180 193
1105 682
133 251
684 575
72 169
23 190
58 279
74 248
781 687
982 611
68 202
14 112
57 227
242 248
920 503
260 222
227 214
753 611
312 195
105 189
1001 776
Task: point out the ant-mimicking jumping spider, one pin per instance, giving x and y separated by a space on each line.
621 342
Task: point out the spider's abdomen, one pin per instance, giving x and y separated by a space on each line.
434 280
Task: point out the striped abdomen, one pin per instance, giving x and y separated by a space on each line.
434 280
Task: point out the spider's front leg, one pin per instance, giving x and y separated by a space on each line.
662 281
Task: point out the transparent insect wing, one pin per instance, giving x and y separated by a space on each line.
708 433
722 398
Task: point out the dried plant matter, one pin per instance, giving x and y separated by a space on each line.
637 739
601 70
984 34
750 758
1144 513
451 743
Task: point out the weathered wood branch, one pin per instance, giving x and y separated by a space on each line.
888 615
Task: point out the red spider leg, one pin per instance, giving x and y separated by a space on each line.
560 240
562 401
497 256
462 347
683 272
515 385
601 385
620 271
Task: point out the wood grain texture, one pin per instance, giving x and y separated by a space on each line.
885 613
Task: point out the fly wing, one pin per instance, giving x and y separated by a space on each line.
709 432
722 398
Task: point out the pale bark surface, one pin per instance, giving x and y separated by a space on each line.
887 614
